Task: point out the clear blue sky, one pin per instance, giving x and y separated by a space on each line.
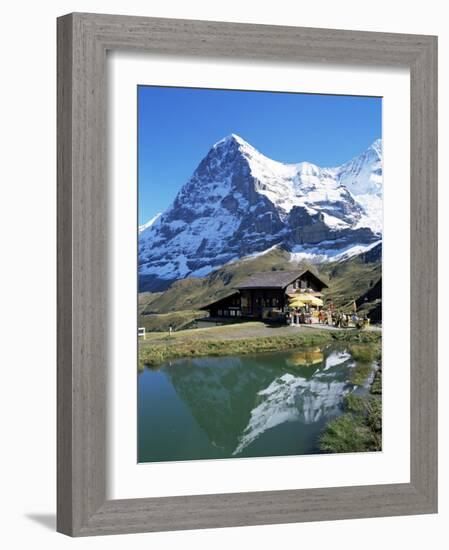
178 126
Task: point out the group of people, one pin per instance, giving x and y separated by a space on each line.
343 320
332 318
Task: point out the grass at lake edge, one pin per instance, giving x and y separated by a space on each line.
156 352
359 429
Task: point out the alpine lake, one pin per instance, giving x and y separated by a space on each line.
266 404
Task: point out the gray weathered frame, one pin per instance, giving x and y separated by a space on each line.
83 40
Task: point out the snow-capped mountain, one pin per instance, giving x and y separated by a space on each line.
362 176
239 202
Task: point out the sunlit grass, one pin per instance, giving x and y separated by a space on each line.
359 429
175 348
228 340
364 353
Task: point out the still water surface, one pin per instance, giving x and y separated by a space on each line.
261 405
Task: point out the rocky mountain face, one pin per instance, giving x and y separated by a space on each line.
239 203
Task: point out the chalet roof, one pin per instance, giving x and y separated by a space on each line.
275 279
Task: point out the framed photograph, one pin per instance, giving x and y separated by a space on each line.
247 288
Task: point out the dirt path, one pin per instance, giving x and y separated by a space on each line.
226 332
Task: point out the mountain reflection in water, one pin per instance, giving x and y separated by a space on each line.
260 405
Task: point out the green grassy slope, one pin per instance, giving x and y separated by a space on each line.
347 281
196 292
178 320
146 299
350 279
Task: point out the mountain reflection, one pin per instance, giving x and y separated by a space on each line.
235 400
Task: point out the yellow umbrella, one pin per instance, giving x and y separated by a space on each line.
313 300
297 302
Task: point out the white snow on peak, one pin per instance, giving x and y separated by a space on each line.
362 177
377 146
308 185
305 184
231 138
275 179
150 222
363 174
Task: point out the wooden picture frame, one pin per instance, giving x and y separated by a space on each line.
83 40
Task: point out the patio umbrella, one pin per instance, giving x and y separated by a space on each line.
296 301
312 300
